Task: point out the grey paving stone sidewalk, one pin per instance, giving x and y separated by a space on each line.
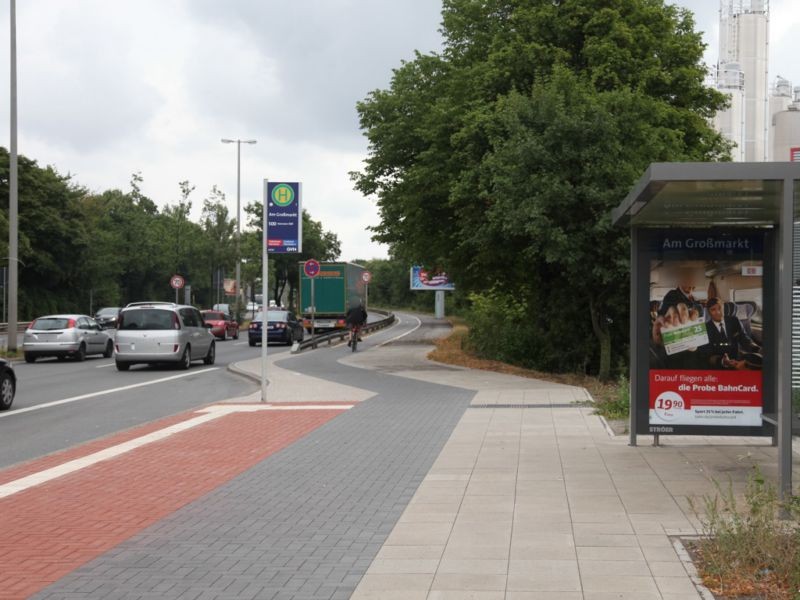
304 524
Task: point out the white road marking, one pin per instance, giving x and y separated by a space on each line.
402 335
105 366
104 392
205 415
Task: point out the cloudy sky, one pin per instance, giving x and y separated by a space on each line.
109 87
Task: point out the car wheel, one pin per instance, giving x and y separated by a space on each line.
30 358
123 366
212 354
80 355
236 334
7 389
109 350
251 342
186 359
61 358
225 334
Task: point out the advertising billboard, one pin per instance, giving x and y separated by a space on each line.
284 217
706 335
425 279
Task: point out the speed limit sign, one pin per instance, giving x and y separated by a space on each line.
177 282
366 276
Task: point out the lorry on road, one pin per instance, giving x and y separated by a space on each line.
335 287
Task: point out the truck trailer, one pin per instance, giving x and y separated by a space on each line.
336 287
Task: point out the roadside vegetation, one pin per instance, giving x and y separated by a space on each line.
747 549
107 248
499 158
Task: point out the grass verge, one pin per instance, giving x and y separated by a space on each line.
747 550
612 399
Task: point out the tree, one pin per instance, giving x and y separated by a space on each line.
283 271
501 157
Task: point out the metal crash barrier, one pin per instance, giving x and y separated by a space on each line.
341 334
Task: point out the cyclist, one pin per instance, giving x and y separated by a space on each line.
356 318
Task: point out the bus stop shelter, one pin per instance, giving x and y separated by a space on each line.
714 269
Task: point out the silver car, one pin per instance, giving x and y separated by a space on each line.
162 332
62 336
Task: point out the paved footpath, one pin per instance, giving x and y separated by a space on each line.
370 475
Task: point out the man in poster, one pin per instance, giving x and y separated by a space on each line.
726 339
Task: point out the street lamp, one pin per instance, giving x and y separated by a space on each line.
238 209
13 192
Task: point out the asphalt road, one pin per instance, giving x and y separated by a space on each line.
60 404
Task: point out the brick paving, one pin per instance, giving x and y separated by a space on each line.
48 530
305 523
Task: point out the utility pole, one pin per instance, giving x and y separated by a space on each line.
238 143
13 194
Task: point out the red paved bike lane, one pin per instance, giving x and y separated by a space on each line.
51 528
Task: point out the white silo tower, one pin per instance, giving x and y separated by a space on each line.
786 132
780 99
731 121
744 39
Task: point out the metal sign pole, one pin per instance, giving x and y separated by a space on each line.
313 310
264 296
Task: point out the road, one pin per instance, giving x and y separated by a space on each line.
61 404
97 400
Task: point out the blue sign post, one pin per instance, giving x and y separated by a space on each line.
284 217
283 234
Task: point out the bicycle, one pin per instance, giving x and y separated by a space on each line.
355 330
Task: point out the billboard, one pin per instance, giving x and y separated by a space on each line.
283 206
794 154
706 335
424 279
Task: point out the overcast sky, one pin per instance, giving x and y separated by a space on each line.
109 87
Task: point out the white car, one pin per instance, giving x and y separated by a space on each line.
63 336
163 332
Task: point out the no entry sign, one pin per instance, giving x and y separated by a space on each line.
311 268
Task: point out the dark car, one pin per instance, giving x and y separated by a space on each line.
107 317
8 384
222 324
282 326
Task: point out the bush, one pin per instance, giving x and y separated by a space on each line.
749 550
534 329
619 406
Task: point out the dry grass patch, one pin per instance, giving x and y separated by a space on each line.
454 350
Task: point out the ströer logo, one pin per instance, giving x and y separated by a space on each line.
282 195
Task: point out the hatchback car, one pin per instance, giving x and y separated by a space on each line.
222 325
162 332
107 317
63 336
282 326
8 384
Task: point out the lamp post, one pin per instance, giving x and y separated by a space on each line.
238 143
13 192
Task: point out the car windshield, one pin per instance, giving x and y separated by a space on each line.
213 316
107 312
49 323
276 315
148 319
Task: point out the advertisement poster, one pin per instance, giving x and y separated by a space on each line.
284 217
424 279
706 332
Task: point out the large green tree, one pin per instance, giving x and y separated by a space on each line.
501 157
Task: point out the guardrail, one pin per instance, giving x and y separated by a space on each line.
21 327
340 334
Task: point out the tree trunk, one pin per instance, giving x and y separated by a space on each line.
603 335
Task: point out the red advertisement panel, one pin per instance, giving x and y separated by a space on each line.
705 398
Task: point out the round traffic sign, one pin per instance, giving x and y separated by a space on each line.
311 268
177 282
366 276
